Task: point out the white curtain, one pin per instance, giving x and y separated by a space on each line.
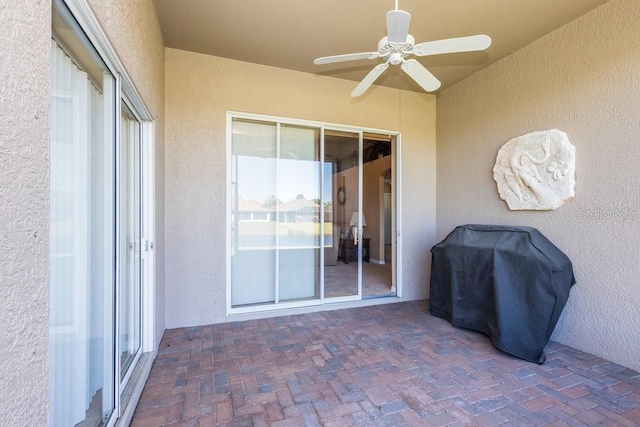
80 234
68 239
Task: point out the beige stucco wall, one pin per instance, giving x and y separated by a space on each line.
199 91
25 34
582 79
134 32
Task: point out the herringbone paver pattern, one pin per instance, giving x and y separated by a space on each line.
386 365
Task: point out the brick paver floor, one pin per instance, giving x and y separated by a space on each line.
384 365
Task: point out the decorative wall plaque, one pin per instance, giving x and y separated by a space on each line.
536 171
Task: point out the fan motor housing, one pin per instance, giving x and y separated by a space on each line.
395 58
395 51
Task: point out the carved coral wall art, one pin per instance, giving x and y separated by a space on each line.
536 171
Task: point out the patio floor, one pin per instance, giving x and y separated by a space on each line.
384 365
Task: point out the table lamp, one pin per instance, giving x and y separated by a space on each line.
354 226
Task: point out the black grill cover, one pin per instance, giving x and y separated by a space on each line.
510 283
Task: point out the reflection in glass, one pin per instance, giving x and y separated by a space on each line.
299 214
276 213
254 196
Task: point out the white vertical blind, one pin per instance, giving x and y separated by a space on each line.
68 239
79 238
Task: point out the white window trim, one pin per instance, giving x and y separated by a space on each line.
148 222
397 215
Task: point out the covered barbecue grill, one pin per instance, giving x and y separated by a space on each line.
508 282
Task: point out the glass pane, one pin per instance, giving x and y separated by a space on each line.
341 259
130 240
82 231
377 207
254 201
299 170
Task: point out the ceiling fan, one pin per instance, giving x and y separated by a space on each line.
398 44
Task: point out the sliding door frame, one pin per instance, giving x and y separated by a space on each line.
86 24
396 209
360 133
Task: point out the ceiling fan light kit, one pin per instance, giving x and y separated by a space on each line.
398 44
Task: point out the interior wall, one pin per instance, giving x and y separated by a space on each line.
372 201
25 36
134 32
581 79
199 91
373 205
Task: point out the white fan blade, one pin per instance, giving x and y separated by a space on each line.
369 79
346 57
455 45
398 26
421 75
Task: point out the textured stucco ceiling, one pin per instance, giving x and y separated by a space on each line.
292 33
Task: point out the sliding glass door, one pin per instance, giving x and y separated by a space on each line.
96 244
254 188
343 151
130 240
275 253
298 213
299 207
